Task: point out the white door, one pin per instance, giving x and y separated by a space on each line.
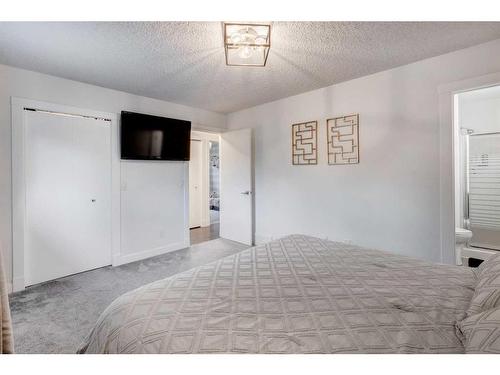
236 196
68 195
195 190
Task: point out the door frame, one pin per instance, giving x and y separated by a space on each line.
19 183
447 121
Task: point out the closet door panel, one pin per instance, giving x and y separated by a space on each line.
68 195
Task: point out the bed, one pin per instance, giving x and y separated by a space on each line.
298 294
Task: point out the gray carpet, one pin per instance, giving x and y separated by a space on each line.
55 317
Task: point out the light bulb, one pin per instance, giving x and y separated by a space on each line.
245 52
235 37
260 39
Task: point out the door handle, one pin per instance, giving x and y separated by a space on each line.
247 192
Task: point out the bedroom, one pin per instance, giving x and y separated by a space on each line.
283 187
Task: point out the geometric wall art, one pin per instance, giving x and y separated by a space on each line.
343 140
305 143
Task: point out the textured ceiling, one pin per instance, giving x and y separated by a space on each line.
183 62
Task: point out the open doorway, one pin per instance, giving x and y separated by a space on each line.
477 177
221 187
204 192
214 184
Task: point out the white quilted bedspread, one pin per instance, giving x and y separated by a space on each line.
298 294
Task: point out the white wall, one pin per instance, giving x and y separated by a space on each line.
391 200
164 232
152 208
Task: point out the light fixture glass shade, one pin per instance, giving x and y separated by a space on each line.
246 44
245 52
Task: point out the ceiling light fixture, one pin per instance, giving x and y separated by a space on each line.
246 44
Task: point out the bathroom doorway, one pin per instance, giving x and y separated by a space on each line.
204 195
477 162
214 177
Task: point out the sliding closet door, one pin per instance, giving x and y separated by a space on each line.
68 195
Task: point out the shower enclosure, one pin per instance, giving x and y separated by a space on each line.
481 161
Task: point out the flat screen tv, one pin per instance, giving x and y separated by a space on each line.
147 137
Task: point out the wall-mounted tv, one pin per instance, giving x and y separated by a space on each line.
147 137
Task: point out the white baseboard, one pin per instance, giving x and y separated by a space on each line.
260 239
129 258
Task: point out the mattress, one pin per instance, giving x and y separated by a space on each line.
298 294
